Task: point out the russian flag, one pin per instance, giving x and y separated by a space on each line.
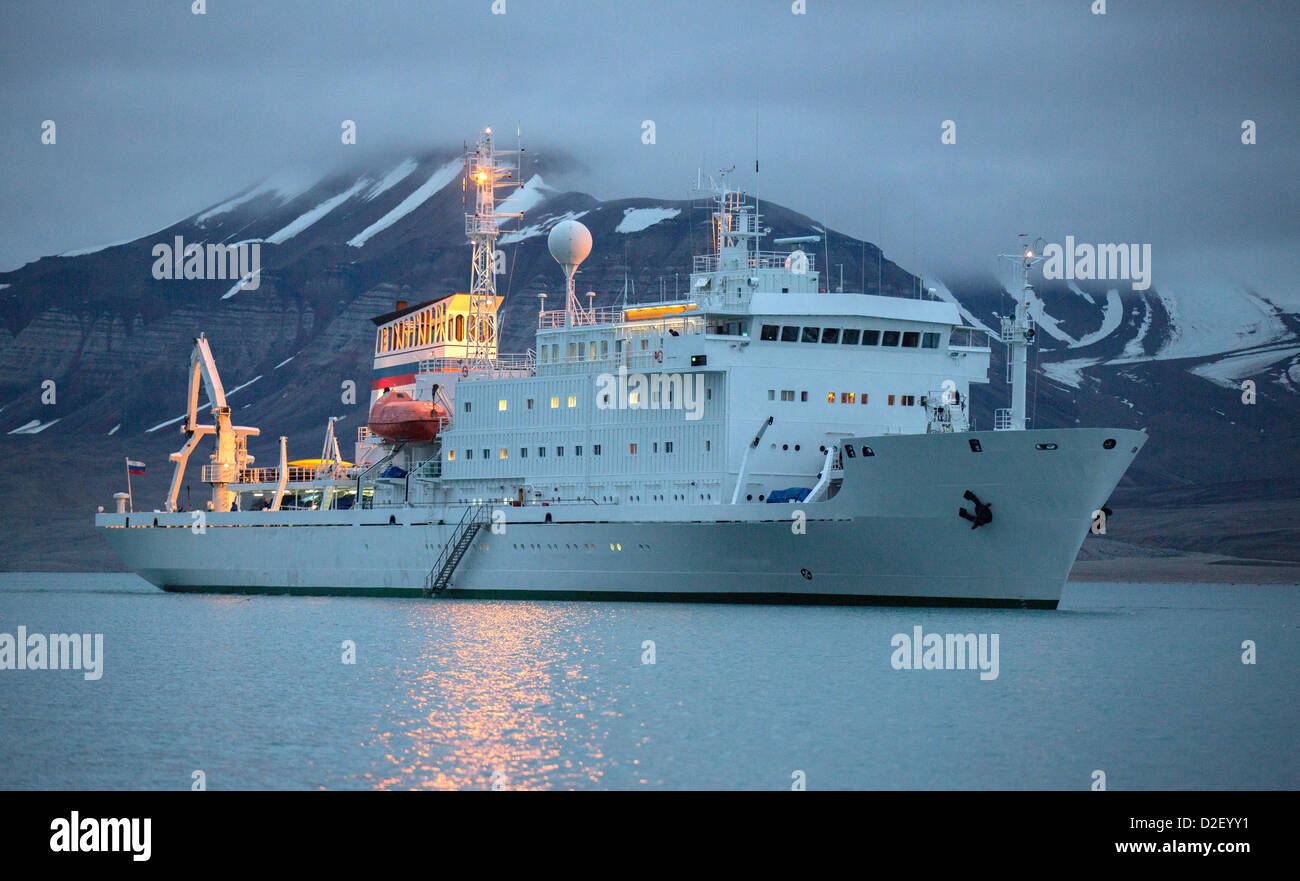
134 467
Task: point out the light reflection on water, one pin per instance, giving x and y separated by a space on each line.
488 700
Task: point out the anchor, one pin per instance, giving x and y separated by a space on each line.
983 513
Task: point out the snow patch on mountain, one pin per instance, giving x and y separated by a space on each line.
33 427
527 197
305 220
1211 321
1069 373
637 219
541 228
207 406
1230 371
1112 317
439 179
284 186
392 179
941 291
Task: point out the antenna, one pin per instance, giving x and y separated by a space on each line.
570 244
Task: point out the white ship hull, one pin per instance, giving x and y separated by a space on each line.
890 535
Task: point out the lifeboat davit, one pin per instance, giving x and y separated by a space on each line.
396 416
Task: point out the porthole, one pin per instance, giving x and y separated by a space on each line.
974 445
1108 443
1044 446
749 498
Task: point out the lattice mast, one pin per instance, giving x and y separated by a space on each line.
1018 334
486 169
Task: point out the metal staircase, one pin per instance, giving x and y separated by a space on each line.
462 537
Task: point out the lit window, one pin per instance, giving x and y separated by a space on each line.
830 397
846 397
555 402
573 401
633 398
891 400
864 397
631 449
501 404
451 455
503 452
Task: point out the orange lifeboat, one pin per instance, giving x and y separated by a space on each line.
396 416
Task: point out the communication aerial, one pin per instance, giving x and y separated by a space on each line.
486 169
570 244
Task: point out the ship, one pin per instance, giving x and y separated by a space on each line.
759 439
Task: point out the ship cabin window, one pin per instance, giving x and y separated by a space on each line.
803 397
864 397
460 328
850 337
467 406
890 338
831 335
908 400
870 337
501 404
529 402
577 450
573 401
846 397
555 353
849 449
789 334
891 400
595 449
451 455
631 449
654 447
830 397
867 451
930 341
543 352
504 454
810 334
559 451
668 446
555 403
911 339
487 454
787 394
769 332
604 349
591 355
645 344
523 452
633 399
469 454
708 445
541 452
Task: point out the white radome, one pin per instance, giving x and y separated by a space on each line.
570 243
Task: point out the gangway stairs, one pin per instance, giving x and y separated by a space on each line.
454 550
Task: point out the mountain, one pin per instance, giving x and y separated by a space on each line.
336 250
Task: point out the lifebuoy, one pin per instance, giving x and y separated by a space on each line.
659 355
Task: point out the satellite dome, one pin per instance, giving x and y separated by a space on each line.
570 243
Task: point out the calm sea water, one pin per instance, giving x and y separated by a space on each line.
1143 682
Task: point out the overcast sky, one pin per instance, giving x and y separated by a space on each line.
1123 127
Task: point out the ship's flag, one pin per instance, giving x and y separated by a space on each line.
134 467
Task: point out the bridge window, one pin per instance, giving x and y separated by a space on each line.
911 339
810 334
930 341
789 334
460 328
831 335
870 337
890 338
851 335
769 332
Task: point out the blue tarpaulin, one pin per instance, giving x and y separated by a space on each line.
794 494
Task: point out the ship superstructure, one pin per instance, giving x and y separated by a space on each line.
757 438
